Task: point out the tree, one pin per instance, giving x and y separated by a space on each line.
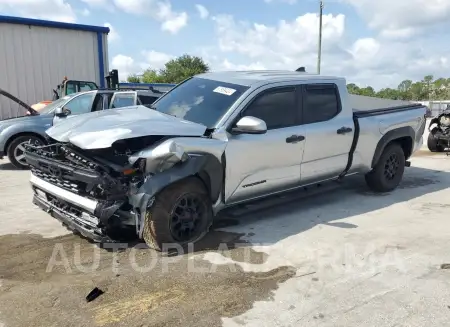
133 78
426 89
176 70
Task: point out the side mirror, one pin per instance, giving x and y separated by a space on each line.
62 112
250 125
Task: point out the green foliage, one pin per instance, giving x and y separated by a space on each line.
133 78
176 70
426 89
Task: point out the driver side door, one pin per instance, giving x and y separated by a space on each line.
78 105
262 164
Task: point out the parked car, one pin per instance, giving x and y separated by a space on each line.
15 132
216 141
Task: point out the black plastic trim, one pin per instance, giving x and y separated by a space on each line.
352 148
67 172
390 136
70 223
197 165
383 111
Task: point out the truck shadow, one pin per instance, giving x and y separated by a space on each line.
7 166
294 213
327 205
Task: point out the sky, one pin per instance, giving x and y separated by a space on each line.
377 43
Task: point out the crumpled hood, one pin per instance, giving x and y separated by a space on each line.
101 129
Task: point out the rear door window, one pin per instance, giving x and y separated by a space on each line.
321 102
120 100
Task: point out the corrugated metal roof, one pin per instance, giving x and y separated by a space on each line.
49 23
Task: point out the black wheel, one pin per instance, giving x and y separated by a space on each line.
433 142
388 172
181 214
16 149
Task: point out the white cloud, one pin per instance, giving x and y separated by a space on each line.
290 2
56 10
273 46
100 4
85 12
154 59
113 35
171 21
227 65
402 18
202 11
125 65
401 45
149 59
381 60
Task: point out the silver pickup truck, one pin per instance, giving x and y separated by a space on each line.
213 142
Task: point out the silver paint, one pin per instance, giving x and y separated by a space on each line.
97 130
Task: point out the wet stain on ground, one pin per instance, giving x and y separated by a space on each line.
413 182
140 285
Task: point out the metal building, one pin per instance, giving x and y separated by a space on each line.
35 56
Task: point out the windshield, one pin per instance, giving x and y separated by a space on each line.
200 100
57 103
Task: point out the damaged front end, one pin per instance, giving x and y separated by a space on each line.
97 192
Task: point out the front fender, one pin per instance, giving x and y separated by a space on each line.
173 160
206 166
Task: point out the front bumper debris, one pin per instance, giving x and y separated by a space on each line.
74 211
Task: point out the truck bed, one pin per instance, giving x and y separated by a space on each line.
364 106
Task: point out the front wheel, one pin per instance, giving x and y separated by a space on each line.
433 142
388 172
181 214
16 150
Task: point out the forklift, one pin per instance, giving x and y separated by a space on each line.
73 86
68 86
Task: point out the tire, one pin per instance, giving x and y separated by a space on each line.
15 149
432 142
388 172
162 226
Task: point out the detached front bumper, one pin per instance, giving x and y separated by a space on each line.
76 212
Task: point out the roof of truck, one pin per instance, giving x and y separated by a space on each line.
251 77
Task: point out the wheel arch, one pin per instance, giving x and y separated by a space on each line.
17 135
205 167
404 136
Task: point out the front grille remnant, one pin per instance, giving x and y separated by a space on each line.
73 186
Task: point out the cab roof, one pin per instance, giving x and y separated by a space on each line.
261 77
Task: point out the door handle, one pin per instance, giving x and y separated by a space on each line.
344 130
294 138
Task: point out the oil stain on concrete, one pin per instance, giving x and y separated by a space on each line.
142 287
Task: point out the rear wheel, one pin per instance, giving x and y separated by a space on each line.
181 214
433 142
16 149
388 172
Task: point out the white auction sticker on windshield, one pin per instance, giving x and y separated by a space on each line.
224 90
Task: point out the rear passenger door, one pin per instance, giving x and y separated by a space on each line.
262 164
326 150
123 99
